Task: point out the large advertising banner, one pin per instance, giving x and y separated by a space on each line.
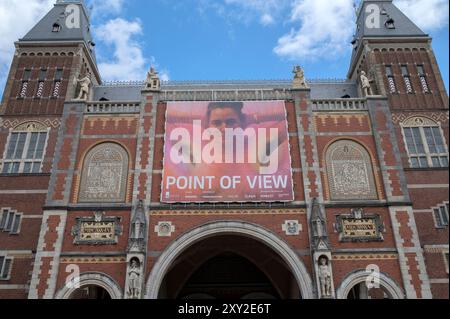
226 152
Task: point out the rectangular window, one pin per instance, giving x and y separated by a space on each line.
10 221
441 215
25 79
446 256
423 79
41 83
57 85
4 217
5 266
407 79
391 80
425 147
58 74
42 75
25 152
26 75
16 224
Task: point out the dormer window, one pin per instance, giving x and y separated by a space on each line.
56 28
383 12
390 23
355 43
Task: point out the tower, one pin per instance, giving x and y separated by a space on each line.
399 60
47 61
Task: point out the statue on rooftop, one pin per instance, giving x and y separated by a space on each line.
85 86
153 82
299 78
365 84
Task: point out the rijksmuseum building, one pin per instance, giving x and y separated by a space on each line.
334 189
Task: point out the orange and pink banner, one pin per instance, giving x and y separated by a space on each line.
226 152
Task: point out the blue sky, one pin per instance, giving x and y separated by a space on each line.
225 39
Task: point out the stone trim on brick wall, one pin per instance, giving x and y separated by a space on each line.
97 279
164 262
360 276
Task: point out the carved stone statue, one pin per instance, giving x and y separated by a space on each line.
134 279
153 82
324 277
299 78
85 85
365 84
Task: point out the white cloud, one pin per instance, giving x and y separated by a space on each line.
326 28
104 8
164 75
266 12
17 18
127 62
267 19
428 15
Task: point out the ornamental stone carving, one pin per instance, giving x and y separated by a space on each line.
292 227
350 172
134 274
366 84
152 81
97 230
85 87
164 229
104 174
325 278
359 227
299 78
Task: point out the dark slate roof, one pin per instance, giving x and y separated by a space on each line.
42 31
404 27
119 92
131 91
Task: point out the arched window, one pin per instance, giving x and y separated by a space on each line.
25 149
425 143
104 175
350 172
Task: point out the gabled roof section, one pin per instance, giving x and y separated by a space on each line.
404 27
58 15
401 27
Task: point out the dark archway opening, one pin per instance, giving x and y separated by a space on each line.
229 267
228 276
91 292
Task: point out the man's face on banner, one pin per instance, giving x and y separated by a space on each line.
223 118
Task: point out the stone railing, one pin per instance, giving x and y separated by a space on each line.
226 95
339 105
112 107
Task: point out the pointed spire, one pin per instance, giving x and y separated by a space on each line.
67 21
138 229
381 19
318 226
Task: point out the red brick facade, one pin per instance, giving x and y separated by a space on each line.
410 255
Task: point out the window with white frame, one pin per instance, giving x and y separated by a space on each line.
407 79
5 267
441 214
25 81
25 149
391 80
425 143
423 79
10 221
446 260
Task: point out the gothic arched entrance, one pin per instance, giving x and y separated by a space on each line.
229 260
